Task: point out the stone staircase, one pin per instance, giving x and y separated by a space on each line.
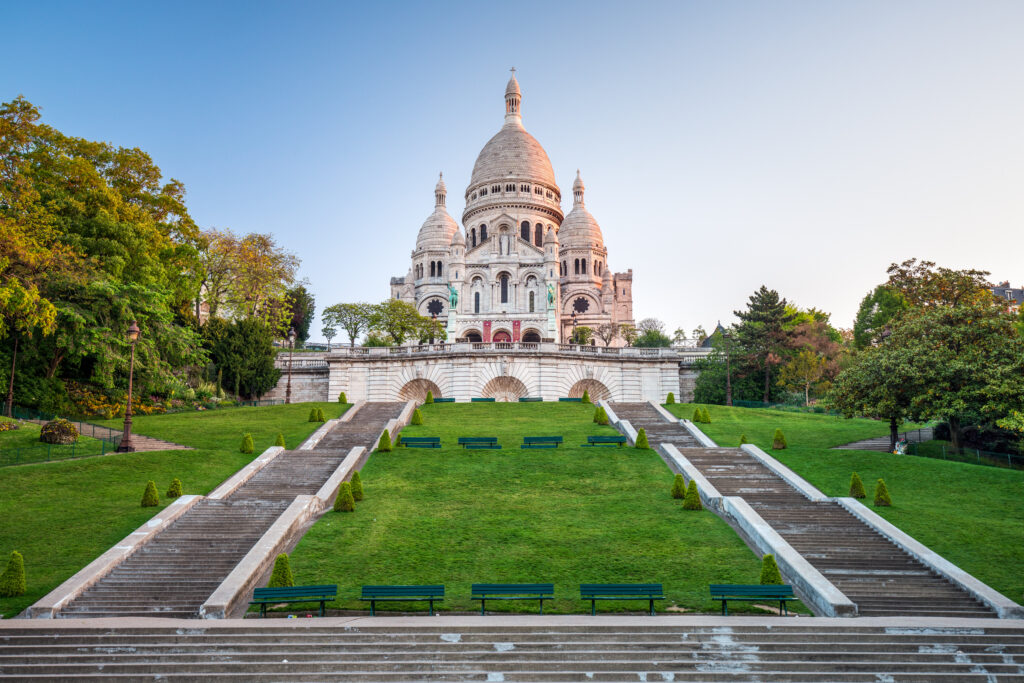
661 650
865 566
176 572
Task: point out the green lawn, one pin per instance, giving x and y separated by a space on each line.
22 445
973 515
62 515
569 515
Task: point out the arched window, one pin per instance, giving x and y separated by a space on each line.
439 269
483 233
431 269
538 235
583 266
531 302
565 268
473 234
476 302
524 231
504 289
577 267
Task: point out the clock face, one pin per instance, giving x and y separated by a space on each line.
435 307
580 305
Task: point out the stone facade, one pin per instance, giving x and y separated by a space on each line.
518 270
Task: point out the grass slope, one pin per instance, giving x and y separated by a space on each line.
569 515
972 515
22 445
62 515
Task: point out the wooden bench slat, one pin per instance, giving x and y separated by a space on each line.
389 593
621 591
749 592
512 591
287 594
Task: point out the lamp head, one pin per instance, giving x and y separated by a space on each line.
291 335
133 332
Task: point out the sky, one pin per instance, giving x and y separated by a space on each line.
724 145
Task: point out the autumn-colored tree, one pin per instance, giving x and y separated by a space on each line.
802 372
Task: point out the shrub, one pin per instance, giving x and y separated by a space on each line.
678 487
342 398
345 501
12 581
384 445
247 444
641 438
692 499
175 489
417 417
398 440
281 577
697 416
430 397
8 425
857 487
150 498
58 431
882 498
778 440
357 485
312 415
670 399
770 574
743 439
705 416
320 415
600 415
586 396
280 440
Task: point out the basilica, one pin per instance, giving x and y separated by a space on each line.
519 270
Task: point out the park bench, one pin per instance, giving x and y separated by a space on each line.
620 591
273 596
530 399
421 441
481 400
471 442
445 400
606 441
726 592
541 441
377 594
513 591
566 399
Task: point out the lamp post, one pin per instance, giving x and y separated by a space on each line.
126 439
433 326
573 338
291 351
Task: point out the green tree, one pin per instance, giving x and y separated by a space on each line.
301 306
344 501
281 576
653 339
628 333
247 444
397 319
417 417
770 574
384 445
778 440
353 318
762 333
244 351
857 487
691 501
329 333
357 485
882 498
150 498
582 335
175 490
279 441
678 487
641 439
877 310
12 580
430 397
802 372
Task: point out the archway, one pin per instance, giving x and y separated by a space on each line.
531 336
504 389
474 336
502 336
596 390
417 389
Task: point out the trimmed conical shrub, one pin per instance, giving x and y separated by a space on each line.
417 417
857 487
342 398
778 440
600 415
670 399
641 438
770 574
743 439
175 489
697 416
586 396
882 498
150 499
430 397
281 577
398 440
320 415
312 415
678 487
692 499
384 444
12 581
279 441
247 444
705 416
345 501
357 485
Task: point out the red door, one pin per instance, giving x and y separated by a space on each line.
502 336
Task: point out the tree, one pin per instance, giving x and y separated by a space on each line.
150 498
329 333
679 336
301 308
397 319
263 272
650 325
353 318
876 311
607 332
582 335
699 334
762 332
244 351
691 500
802 372
770 574
652 339
281 576
922 284
217 252
628 333
12 580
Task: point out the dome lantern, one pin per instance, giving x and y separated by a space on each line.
440 191
577 190
513 96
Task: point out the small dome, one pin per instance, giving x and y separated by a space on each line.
551 237
458 239
439 227
580 229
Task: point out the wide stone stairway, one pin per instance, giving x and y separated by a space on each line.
869 569
176 572
787 650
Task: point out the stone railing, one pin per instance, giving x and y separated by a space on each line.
281 362
500 347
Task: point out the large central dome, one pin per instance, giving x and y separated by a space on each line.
512 153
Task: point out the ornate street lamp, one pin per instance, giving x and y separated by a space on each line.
573 338
126 439
291 351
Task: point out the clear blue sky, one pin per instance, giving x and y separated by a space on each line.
803 145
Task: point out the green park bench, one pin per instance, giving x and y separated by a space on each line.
606 441
421 441
445 400
620 591
747 593
530 399
478 442
541 441
566 399
513 591
274 596
481 400
375 594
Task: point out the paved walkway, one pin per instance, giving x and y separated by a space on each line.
140 442
881 443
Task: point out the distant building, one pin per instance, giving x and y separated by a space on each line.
1014 295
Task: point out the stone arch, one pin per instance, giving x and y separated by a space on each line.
473 335
595 389
416 390
569 300
504 389
501 335
531 335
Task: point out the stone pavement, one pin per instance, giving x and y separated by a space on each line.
881 443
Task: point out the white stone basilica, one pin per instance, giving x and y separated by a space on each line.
520 269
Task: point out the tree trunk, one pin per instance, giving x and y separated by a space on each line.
894 433
10 385
767 379
954 434
807 394
58 356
